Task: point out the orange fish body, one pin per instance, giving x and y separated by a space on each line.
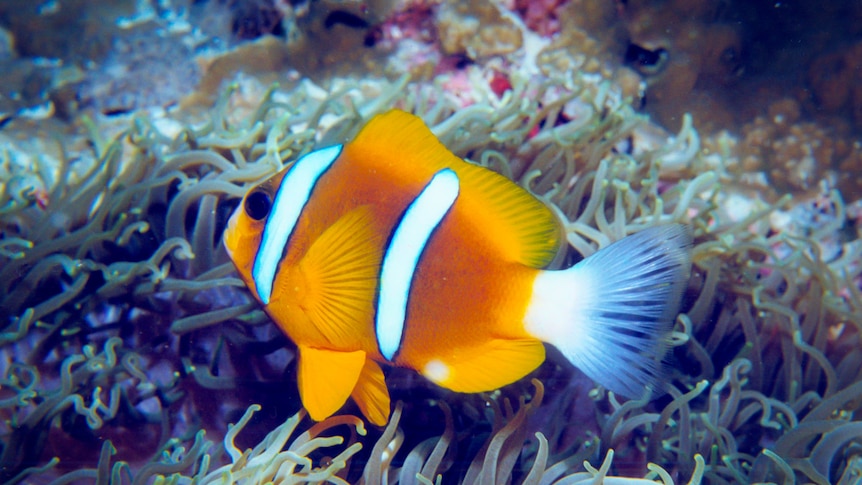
390 249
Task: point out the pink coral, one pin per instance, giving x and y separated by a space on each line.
541 16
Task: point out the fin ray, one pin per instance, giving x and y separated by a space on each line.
340 277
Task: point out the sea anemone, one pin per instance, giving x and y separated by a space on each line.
125 329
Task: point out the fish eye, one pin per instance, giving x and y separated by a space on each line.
257 205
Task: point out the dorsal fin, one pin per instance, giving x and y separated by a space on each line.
522 227
401 142
521 224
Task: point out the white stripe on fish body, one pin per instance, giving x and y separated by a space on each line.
409 239
290 200
611 314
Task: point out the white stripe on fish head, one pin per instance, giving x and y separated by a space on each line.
290 200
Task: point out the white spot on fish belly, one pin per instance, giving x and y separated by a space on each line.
436 370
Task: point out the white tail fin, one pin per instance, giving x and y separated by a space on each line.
611 314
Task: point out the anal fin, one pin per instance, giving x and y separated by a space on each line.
371 394
327 378
486 367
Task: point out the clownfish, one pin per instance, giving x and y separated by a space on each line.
391 250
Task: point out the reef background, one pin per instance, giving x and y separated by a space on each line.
130 352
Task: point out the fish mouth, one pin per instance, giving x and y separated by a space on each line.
230 233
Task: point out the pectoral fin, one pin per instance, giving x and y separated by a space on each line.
487 367
327 378
339 276
371 394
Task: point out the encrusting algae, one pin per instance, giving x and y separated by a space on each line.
128 342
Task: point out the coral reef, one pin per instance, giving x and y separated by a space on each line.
129 68
782 152
705 57
128 344
254 19
475 30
